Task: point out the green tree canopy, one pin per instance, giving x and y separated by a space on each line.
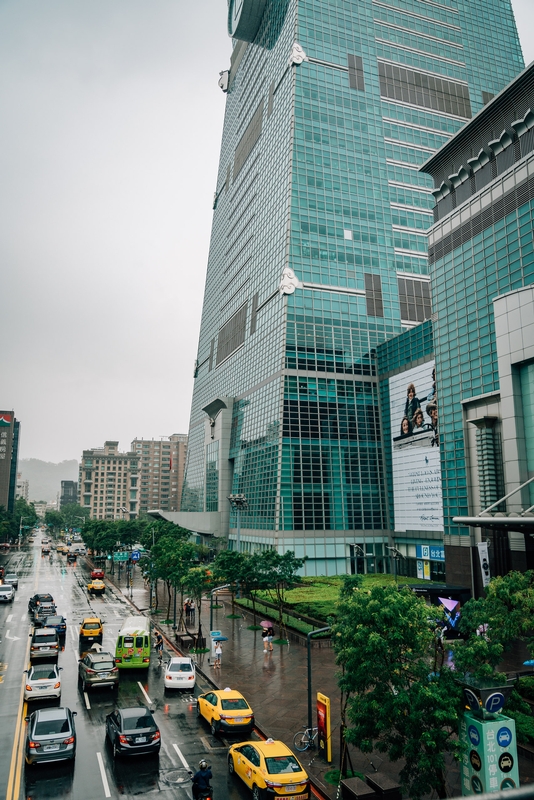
386 646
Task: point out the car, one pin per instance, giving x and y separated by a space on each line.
132 731
71 557
7 593
51 735
96 587
31 540
37 599
44 644
42 612
58 623
45 550
42 681
91 630
97 669
180 674
269 769
225 710
44 541
97 573
13 579
62 549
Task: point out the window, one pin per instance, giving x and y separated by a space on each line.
373 295
420 89
356 73
248 140
414 298
232 334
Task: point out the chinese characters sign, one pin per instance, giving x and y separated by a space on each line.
489 763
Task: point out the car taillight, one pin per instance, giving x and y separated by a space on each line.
123 739
115 669
191 678
29 688
91 671
57 685
118 660
33 745
156 736
273 785
146 660
70 740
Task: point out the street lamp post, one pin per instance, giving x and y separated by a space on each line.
20 529
308 641
395 553
239 503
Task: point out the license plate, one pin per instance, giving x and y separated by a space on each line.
43 687
291 787
140 739
50 747
104 674
239 719
90 638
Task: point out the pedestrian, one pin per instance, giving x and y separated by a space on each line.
187 609
218 654
270 637
192 611
265 639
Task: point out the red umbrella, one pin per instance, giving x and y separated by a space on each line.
266 624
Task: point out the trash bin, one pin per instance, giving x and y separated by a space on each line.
352 788
384 787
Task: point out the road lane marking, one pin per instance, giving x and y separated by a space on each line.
23 618
71 629
149 701
87 703
182 759
9 618
103 775
15 767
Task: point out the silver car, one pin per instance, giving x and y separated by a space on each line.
97 669
43 681
51 735
7 593
12 578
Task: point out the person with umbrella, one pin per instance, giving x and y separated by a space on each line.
267 635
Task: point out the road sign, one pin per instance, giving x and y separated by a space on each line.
121 556
136 555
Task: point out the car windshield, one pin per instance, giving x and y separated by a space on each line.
45 638
234 704
180 668
44 673
102 666
44 598
54 620
280 765
48 727
91 626
5 588
11 576
136 723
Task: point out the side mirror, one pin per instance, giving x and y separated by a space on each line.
74 713
26 719
60 668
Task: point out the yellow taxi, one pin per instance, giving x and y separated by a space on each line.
62 548
96 586
225 710
270 770
91 630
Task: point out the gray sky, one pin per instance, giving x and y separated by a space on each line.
110 126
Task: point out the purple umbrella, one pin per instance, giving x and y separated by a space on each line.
265 624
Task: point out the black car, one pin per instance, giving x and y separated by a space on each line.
58 622
51 735
37 599
42 612
71 557
132 731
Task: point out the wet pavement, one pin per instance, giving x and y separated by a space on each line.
276 686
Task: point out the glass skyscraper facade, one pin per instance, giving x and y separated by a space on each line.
319 254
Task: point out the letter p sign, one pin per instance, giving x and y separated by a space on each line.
494 702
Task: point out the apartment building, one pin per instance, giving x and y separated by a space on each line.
108 482
161 465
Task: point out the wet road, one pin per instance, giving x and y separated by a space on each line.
185 739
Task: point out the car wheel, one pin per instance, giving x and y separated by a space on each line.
231 767
257 793
214 727
198 710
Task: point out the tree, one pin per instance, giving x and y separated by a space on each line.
493 623
172 558
229 567
198 581
54 519
279 574
385 644
71 514
254 578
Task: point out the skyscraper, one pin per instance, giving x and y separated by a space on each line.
319 254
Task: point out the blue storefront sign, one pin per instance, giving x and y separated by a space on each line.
430 552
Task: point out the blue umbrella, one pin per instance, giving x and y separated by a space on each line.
221 639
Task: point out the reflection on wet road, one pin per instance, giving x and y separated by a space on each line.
95 775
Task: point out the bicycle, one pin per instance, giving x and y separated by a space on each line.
305 739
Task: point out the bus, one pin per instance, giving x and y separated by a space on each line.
133 644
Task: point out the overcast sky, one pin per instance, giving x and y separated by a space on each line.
110 126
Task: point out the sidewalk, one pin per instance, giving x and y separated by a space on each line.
276 686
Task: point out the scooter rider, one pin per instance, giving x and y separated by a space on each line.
201 779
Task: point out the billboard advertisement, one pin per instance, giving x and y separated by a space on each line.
6 445
415 450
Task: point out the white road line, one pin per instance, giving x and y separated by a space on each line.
87 703
103 775
9 618
149 701
182 759
23 618
72 634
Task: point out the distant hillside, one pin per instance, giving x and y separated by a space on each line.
45 478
